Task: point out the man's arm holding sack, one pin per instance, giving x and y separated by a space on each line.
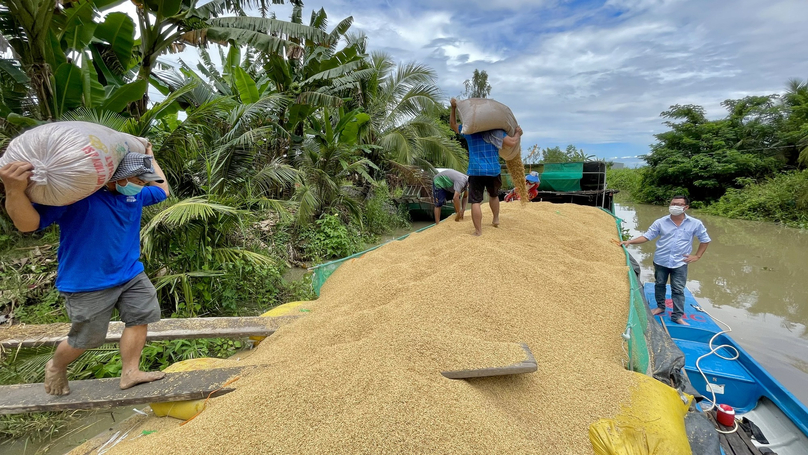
511 141
157 170
15 177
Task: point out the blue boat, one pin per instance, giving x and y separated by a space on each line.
738 382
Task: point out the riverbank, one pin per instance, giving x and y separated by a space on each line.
780 199
751 277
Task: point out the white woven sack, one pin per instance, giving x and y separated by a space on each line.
509 153
72 160
483 114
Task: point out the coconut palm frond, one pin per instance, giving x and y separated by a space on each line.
273 176
399 146
319 99
109 119
442 151
182 212
25 366
309 204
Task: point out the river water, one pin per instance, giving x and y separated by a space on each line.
754 277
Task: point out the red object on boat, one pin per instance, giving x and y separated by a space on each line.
725 415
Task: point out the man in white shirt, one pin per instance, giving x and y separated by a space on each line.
672 254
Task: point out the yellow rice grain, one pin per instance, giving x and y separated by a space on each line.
361 372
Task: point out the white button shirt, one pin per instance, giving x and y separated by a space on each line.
675 241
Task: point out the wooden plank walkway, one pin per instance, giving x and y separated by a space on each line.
106 393
166 329
526 366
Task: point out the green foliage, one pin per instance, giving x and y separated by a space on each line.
206 263
380 215
556 155
27 274
783 198
703 158
158 355
34 427
329 238
477 86
627 180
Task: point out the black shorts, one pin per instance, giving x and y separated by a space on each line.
479 182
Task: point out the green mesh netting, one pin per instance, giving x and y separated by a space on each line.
561 177
323 271
639 359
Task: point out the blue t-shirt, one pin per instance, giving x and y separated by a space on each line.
483 155
99 238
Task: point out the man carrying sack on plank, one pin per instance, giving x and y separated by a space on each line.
98 262
484 169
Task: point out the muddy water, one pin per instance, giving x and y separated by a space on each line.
754 277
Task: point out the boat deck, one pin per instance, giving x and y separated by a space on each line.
741 383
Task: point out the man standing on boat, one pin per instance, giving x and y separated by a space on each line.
672 254
484 169
98 262
450 184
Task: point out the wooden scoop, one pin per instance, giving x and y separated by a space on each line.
526 366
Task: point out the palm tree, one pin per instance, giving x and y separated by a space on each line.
403 103
329 161
796 101
169 25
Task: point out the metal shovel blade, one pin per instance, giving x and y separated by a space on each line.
526 366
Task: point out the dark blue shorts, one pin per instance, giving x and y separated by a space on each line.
440 196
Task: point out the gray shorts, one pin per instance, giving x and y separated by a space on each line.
90 312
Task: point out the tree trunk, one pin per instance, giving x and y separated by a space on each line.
40 75
137 108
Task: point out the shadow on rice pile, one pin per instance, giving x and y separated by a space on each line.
361 372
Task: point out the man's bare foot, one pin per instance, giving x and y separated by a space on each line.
657 311
476 234
55 380
458 217
495 223
139 377
680 321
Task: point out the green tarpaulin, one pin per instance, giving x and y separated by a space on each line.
562 177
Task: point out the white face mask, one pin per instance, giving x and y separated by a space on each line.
676 210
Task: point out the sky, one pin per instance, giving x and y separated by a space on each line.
592 73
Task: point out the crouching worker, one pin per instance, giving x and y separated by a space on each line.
98 262
532 183
450 184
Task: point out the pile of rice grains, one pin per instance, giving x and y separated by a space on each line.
360 373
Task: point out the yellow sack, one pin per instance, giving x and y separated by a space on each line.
653 423
184 410
287 309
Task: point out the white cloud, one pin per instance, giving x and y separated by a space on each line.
595 72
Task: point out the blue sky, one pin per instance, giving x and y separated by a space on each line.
593 73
